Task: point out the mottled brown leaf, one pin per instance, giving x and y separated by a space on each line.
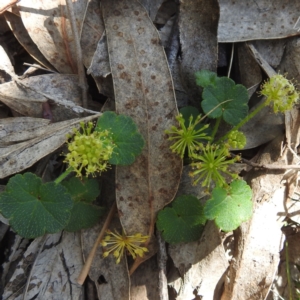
143 90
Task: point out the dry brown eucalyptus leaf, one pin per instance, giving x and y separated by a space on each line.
198 22
28 99
257 20
143 90
48 25
16 25
55 272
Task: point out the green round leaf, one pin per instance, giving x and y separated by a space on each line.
84 189
225 89
34 208
205 78
183 222
84 215
230 208
83 192
129 142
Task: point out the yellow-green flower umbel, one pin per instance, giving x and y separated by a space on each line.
89 151
280 92
116 243
186 137
211 164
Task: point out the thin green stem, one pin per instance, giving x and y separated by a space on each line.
216 127
63 175
287 263
244 121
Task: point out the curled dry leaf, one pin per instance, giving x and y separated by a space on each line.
143 90
16 25
16 158
63 89
244 21
48 25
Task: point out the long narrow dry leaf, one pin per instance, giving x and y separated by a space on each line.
143 90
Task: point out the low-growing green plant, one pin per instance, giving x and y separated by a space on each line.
210 159
34 208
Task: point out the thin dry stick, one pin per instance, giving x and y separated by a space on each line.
269 166
80 67
86 268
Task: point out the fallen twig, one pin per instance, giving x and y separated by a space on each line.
86 268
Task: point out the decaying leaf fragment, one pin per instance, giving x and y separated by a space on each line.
143 90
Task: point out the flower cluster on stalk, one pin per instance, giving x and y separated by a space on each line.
116 244
89 151
280 92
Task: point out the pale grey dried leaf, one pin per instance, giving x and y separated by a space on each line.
291 59
201 265
5 63
21 129
100 63
198 22
143 90
19 157
271 50
257 20
144 281
259 241
151 6
28 100
55 272
92 30
17 27
48 25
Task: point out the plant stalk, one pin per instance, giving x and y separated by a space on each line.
86 268
244 121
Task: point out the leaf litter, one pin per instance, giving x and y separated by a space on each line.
143 89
